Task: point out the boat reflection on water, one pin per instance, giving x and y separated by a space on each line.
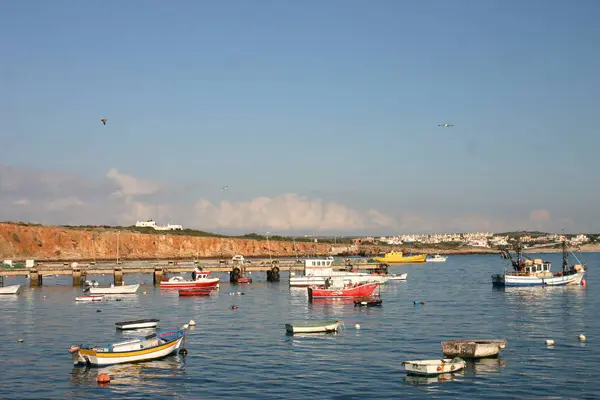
484 366
428 380
149 373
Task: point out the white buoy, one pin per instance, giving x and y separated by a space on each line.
549 342
357 326
144 292
582 337
192 323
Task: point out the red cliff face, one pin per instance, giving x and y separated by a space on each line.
71 244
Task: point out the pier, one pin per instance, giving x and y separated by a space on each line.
80 271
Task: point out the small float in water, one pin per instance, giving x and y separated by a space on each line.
314 327
434 367
138 324
473 348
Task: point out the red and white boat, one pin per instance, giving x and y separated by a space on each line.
331 290
202 281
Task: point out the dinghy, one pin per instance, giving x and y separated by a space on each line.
398 277
12 289
314 327
368 302
473 348
152 347
96 297
137 324
112 289
434 367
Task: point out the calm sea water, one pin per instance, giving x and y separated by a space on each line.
245 353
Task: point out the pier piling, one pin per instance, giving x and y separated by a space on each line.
35 278
118 276
76 276
158 275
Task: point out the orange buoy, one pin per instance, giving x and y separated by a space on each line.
583 282
103 378
234 307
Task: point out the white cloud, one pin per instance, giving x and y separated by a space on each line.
122 199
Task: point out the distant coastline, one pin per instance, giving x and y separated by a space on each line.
20 241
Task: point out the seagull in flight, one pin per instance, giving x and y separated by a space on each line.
224 188
103 119
446 125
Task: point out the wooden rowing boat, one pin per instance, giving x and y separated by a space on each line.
194 292
433 367
137 324
473 348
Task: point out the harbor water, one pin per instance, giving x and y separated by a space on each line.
245 352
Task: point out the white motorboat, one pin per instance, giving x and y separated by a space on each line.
436 258
137 324
398 277
316 271
112 289
434 367
96 297
314 327
12 289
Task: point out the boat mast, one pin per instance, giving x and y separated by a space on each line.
565 261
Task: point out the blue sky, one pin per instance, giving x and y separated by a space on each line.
337 102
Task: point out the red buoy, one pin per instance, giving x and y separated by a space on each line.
103 378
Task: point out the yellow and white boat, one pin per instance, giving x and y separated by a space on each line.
397 257
153 347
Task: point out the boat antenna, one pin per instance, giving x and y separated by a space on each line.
565 262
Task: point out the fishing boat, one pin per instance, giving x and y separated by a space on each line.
112 289
95 297
398 257
12 289
473 348
318 269
434 367
201 280
337 289
314 327
536 272
436 258
137 324
368 302
194 292
151 347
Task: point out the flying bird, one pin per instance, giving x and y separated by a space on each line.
224 188
446 125
104 120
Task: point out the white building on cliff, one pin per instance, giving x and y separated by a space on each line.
152 224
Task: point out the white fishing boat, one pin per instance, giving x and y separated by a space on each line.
536 272
112 289
12 289
434 367
473 348
436 258
316 271
151 347
314 327
137 324
398 277
95 297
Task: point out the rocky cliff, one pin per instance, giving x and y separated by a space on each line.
18 241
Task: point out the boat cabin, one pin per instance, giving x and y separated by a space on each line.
318 267
536 267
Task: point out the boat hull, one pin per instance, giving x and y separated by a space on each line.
194 292
122 289
358 291
398 277
525 280
306 281
208 283
315 327
97 297
139 324
472 348
433 367
420 258
12 289
436 259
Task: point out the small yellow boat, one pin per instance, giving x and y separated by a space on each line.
397 257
